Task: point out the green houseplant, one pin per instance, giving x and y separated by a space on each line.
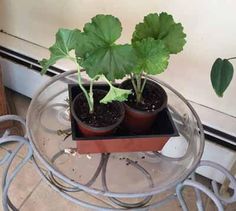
153 41
95 49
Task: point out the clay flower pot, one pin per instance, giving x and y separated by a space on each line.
140 121
93 131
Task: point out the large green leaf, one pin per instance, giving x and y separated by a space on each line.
116 94
152 56
221 75
65 42
114 62
161 27
99 53
104 28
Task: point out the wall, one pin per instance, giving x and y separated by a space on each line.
209 25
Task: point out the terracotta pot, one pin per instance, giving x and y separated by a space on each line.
90 131
140 122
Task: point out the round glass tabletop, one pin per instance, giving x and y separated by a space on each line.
135 174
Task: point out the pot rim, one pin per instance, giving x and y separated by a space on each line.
107 128
164 104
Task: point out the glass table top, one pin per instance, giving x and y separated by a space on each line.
116 174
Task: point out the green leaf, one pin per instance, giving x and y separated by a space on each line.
65 42
221 75
161 27
114 62
116 94
105 29
152 56
100 54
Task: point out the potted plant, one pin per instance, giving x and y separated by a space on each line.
97 112
95 50
153 41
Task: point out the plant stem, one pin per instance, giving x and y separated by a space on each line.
91 96
91 91
87 96
139 87
138 79
108 82
144 82
133 83
231 58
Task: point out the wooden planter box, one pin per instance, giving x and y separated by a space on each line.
122 140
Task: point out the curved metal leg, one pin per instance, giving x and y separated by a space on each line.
214 184
198 186
9 157
218 200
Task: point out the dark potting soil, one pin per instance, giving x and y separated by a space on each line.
104 114
152 98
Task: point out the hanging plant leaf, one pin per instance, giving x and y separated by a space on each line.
65 42
100 54
221 75
152 56
161 27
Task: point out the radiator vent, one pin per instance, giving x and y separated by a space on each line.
27 61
